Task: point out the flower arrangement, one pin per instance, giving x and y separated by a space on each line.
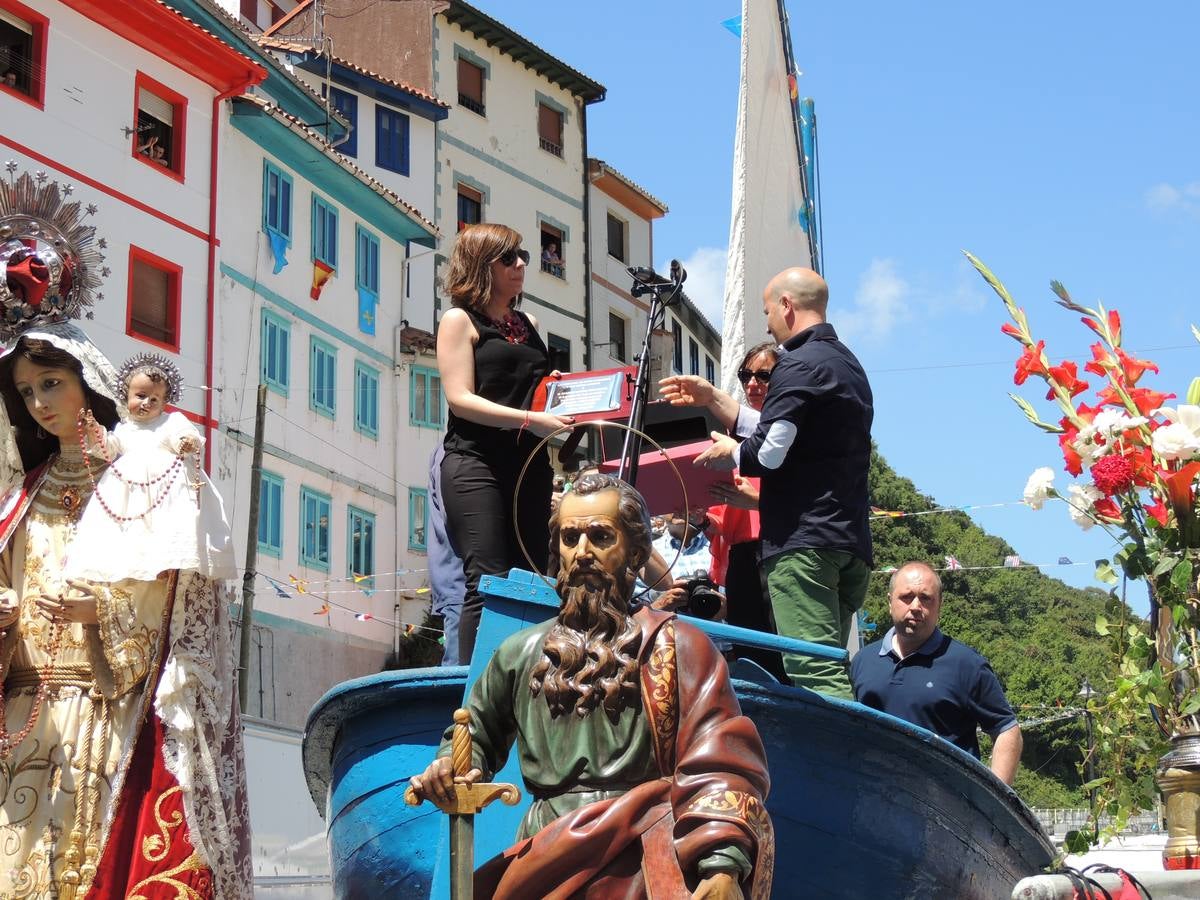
1135 461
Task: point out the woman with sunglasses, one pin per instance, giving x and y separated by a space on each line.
735 525
490 358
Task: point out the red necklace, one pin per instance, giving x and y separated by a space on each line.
513 328
8 742
167 477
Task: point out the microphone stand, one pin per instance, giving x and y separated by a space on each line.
664 292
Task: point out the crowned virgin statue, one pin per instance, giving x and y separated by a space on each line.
121 766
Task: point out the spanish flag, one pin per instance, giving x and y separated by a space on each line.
321 274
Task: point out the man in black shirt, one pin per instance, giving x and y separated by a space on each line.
812 448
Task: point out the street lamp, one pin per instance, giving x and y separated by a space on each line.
1086 692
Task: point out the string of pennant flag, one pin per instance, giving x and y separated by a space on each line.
1012 561
878 513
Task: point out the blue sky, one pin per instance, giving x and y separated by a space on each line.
1051 141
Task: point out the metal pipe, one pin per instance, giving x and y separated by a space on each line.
248 577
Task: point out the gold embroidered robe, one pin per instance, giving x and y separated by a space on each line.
57 786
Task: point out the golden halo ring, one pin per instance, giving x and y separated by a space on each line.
599 424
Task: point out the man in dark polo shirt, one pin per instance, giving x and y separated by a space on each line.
918 674
812 448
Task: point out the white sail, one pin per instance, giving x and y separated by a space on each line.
766 234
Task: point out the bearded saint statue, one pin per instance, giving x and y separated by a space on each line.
647 780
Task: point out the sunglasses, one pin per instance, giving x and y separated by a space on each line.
762 376
509 257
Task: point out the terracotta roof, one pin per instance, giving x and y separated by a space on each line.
417 339
319 142
276 43
633 186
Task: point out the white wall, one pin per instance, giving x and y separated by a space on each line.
89 99
522 182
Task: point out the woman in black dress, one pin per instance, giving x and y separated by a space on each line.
491 358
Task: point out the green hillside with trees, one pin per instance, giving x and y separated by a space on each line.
1038 633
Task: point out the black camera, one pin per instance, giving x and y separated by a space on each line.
703 598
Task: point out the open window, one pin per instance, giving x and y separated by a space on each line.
23 52
617 345
550 129
160 119
470 86
470 207
552 251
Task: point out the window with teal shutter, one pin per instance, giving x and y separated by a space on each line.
270 515
324 232
366 400
322 377
366 262
277 201
314 529
360 553
418 519
276 339
425 398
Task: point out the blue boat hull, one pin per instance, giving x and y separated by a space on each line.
864 805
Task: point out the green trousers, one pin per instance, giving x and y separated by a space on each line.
815 595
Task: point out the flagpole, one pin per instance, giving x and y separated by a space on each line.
260 418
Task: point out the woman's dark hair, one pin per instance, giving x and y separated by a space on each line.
35 445
768 347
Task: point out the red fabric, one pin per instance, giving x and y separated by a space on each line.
730 525
136 835
30 278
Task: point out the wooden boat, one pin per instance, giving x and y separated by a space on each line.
864 805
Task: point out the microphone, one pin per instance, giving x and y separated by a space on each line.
646 276
678 272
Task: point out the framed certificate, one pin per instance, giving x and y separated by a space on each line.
587 396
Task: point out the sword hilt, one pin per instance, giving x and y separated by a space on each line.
469 799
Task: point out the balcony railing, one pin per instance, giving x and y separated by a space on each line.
553 268
550 146
472 104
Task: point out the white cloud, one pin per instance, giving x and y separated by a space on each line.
1164 197
705 284
882 301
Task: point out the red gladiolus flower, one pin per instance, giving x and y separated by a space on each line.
1112 475
1108 508
1011 330
1142 460
1179 488
1157 511
1066 440
1030 363
1147 401
1114 325
1065 377
1102 360
1134 368
1087 413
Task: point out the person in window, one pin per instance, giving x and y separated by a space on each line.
10 79
491 357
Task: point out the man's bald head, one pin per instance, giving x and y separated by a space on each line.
794 300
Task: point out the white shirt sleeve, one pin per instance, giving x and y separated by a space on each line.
746 422
780 437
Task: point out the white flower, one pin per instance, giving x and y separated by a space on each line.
1083 497
1039 487
1111 423
1180 439
1175 441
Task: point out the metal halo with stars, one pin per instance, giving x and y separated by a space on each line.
50 260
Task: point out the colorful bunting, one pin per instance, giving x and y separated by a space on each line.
952 564
323 611
299 584
734 26
1065 561
363 617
